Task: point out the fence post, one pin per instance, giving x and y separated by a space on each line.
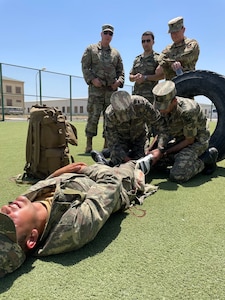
71 108
40 89
2 98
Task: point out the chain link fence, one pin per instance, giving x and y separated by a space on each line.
20 85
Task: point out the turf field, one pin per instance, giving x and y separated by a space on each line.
176 251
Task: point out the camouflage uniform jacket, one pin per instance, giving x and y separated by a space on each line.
186 120
82 204
103 63
186 53
145 65
133 127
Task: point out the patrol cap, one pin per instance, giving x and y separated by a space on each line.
176 24
120 100
11 254
164 93
107 27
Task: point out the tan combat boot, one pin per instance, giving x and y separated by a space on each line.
89 145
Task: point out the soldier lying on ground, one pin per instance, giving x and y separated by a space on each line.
66 211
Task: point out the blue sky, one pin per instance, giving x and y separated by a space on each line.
54 34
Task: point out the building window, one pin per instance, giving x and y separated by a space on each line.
18 101
75 109
68 110
8 102
81 109
63 109
8 89
18 90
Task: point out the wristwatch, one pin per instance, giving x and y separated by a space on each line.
145 77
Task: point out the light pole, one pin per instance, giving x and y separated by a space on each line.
38 73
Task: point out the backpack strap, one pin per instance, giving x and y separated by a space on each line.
29 144
81 195
71 134
37 146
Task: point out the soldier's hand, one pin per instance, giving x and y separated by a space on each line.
115 85
176 65
96 82
157 155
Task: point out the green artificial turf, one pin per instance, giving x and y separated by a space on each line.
176 251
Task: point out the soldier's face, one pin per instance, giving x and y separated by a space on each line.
147 42
169 108
106 36
178 36
122 116
23 214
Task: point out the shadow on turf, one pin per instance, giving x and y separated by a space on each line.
193 182
107 234
83 154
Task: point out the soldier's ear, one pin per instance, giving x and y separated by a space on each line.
174 100
32 239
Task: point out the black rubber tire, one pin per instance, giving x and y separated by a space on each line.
212 86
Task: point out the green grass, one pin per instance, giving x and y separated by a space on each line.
177 251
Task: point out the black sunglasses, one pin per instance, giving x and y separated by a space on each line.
147 41
108 32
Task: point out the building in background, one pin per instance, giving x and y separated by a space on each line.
78 106
210 111
15 104
13 96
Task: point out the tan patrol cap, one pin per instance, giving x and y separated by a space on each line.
107 27
164 93
176 24
120 100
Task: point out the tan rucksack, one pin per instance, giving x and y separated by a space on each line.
47 141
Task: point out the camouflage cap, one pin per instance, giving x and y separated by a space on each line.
176 24
11 254
120 100
107 27
164 93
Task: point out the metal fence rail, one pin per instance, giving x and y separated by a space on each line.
42 85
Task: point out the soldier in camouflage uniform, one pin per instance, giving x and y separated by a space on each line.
143 72
103 71
126 119
182 55
67 210
183 137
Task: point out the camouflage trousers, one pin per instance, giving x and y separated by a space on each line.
186 163
98 100
134 149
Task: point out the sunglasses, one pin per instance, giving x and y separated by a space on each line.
108 32
147 41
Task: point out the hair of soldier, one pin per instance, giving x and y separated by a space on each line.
22 243
149 33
